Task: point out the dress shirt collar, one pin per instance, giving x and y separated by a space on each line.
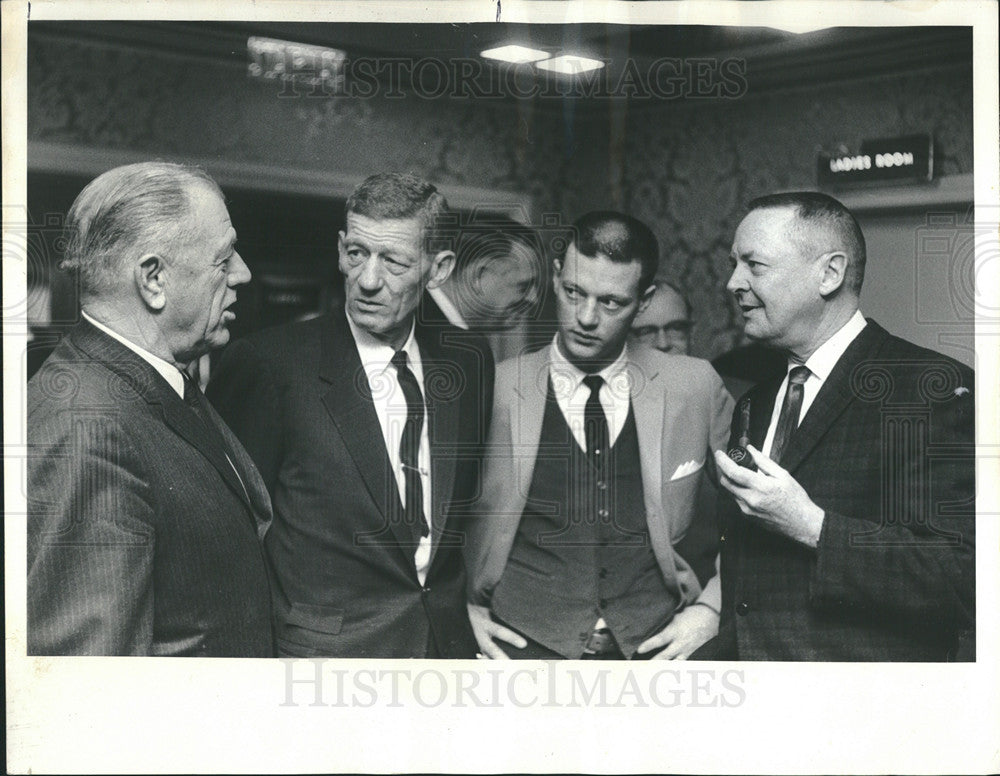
448 308
826 356
168 371
376 355
568 377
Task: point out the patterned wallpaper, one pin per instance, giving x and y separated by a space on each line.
686 167
709 160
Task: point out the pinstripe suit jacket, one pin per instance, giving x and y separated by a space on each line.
887 450
141 538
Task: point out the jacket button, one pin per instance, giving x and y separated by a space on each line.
722 538
603 603
426 590
742 608
602 573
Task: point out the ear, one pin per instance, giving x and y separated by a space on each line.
557 266
441 267
834 271
646 298
340 242
150 280
475 272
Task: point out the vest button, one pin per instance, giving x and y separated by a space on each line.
602 485
602 573
603 513
722 538
742 608
603 603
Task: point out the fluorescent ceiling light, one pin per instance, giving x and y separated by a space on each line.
515 54
568 64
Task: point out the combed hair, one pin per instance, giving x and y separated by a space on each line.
401 195
494 238
813 207
621 238
125 213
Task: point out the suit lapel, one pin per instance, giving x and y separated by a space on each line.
528 412
136 372
833 396
252 481
349 403
649 399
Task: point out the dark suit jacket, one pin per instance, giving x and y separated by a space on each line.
141 540
346 583
887 450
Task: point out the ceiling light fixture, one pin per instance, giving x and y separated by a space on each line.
515 54
570 64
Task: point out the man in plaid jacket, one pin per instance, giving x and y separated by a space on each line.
851 530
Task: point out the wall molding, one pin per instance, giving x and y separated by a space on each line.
75 159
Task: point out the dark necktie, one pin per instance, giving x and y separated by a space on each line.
409 445
595 423
196 400
788 419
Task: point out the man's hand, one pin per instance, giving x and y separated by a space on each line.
690 628
772 496
486 630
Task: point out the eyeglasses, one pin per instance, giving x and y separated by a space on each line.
673 329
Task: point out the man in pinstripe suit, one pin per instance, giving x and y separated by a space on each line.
144 511
852 535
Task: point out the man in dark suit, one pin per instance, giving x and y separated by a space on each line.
367 431
144 511
592 478
854 537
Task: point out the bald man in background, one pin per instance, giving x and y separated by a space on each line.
666 323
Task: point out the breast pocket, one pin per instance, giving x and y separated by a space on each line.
311 625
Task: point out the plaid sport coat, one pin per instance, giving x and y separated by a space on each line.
887 450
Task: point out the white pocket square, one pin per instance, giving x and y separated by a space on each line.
686 468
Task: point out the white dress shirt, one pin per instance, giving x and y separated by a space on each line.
571 394
169 372
390 406
820 364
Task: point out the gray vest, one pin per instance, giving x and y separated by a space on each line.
582 549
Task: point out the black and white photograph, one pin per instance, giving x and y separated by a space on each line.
613 379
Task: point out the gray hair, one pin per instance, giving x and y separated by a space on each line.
391 195
818 210
126 212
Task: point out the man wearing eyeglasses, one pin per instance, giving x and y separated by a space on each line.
665 324
366 429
